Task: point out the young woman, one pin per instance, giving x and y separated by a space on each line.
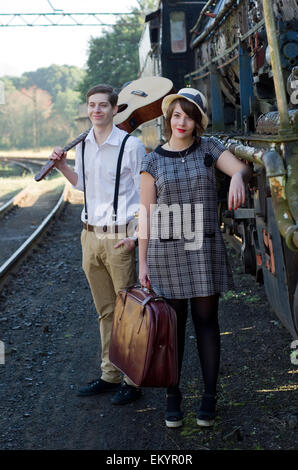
181 250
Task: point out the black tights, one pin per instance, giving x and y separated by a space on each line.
204 311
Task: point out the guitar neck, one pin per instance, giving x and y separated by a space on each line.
76 141
139 102
51 163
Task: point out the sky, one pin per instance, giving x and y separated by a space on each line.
25 48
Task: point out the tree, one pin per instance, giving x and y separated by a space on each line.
8 84
54 79
46 114
66 106
22 117
113 57
40 107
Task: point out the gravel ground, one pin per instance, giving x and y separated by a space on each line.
49 328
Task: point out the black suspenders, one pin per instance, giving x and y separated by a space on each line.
117 182
116 191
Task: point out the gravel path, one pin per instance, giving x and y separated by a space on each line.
49 327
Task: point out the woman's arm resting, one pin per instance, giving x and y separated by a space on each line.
240 174
147 199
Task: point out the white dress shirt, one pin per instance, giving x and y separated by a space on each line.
100 176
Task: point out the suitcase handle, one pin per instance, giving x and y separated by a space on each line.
137 286
145 301
148 291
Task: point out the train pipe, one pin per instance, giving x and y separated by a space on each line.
278 179
286 223
278 79
217 20
277 176
204 9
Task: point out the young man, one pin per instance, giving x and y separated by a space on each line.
108 250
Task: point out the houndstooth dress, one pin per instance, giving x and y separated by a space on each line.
186 252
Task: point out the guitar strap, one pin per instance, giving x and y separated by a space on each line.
116 190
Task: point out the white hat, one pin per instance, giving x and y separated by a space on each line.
192 95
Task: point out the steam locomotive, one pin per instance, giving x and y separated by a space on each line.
242 55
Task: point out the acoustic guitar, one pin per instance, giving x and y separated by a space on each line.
138 102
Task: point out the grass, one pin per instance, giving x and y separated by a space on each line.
238 296
11 171
9 186
13 178
31 153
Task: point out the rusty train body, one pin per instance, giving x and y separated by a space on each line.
242 55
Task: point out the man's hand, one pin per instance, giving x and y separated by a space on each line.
59 157
128 242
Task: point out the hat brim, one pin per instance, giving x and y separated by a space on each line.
170 98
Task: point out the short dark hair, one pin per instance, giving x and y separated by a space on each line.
107 90
190 109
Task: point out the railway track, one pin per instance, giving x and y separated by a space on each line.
37 205
17 186
6 202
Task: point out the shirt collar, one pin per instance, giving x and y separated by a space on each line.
112 139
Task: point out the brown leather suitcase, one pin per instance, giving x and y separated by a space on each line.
143 342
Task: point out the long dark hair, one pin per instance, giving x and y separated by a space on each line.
191 110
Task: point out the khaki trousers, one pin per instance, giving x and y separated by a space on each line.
107 269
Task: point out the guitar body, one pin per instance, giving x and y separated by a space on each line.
138 102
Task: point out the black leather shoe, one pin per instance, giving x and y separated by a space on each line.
97 386
126 394
206 414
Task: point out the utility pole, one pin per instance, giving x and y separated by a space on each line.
35 116
2 93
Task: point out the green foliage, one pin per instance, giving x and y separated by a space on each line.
113 57
40 107
54 79
66 106
8 84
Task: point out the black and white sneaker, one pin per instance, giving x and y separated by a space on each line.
173 414
206 413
